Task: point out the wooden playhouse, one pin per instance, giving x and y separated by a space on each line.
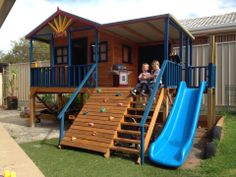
104 60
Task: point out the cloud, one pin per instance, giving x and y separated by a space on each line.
28 14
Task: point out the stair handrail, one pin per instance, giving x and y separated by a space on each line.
148 107
61 115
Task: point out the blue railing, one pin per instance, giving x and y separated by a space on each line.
61 115
60 76
197 74
172 74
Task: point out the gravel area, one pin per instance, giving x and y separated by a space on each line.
19 128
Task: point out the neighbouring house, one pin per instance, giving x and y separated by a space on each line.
224 29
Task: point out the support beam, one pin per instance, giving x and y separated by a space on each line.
96 55
32 110
43 102
60 101
166 38
186 60
211 91
137 34
167 107
53 50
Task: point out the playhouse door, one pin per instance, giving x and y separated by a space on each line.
79 57
149 53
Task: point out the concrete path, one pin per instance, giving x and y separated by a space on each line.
13 158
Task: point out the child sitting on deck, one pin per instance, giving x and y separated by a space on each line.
154 74
142 86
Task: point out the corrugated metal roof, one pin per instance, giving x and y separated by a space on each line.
216 21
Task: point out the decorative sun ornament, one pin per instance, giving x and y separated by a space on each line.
60 26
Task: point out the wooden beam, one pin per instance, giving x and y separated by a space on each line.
166 109
158 31
60 101
137 34
57 89
32 110
211 99
120 37
154 118
43 102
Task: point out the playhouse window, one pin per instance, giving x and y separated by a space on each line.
103 50
126 54
61 55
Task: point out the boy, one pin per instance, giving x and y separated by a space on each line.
142 86
154 74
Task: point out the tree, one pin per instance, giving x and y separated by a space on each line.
20 52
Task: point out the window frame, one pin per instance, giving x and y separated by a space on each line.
92 52
129 54
62 55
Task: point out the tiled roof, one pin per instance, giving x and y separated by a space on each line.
210 22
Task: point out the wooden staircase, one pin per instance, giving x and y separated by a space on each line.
127 137
96 124
115 129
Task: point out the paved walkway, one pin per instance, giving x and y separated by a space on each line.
13 158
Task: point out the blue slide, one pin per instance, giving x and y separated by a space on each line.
171 148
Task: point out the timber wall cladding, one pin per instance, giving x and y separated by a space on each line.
105 76
225 69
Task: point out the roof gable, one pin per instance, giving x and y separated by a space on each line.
75 19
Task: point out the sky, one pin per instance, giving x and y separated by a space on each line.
28 14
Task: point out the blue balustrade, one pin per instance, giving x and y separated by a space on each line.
59 76
61 115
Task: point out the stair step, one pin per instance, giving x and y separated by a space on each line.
138 109
126 140
125 150
89 145
140 102
131 132
133 124
136 116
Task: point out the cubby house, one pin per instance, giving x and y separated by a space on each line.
104 60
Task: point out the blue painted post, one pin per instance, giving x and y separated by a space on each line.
181 54
96 55
53 60
181 46
166 38
69 58
190 60
186 61
31 59
166 50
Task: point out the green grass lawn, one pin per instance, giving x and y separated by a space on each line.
75 163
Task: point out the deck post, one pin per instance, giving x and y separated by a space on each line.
53 60
69 58
32 110
31 59
166 38
211 100
181 46
96 55
60 102
186 60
